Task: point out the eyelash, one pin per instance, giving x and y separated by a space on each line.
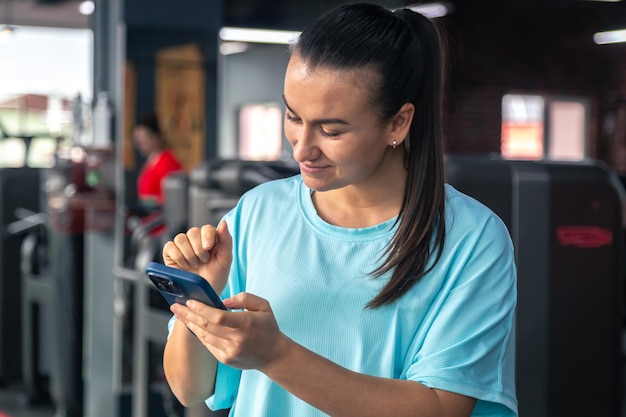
291 118
322 131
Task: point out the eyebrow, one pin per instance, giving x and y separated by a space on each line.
317 121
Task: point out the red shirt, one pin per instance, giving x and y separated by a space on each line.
153 173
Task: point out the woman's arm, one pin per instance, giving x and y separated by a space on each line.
342 393
189 367
250 339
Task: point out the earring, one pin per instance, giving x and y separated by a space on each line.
394 144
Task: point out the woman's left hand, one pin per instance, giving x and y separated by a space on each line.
248 339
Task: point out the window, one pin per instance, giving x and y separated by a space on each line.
12 153
260 132
39 106
544 127
522 127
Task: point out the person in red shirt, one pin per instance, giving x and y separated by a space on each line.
160 161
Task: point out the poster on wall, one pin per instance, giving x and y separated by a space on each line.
180 101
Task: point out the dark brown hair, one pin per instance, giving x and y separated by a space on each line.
151 122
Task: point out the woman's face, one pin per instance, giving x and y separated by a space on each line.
145 140
336 136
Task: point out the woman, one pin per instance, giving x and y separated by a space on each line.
364 286
160 161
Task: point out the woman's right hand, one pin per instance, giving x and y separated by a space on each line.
206 251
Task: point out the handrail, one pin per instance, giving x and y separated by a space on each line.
127 274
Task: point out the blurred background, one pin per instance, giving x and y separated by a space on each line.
535 127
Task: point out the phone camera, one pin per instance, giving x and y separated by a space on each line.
166 285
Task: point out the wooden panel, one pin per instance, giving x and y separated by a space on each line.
180 101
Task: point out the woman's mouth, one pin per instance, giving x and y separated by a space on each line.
312 169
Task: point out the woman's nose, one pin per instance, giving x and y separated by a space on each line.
304 145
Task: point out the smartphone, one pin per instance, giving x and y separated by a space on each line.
178 286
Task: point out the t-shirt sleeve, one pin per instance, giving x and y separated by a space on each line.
168 163
469 348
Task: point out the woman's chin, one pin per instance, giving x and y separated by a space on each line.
316 184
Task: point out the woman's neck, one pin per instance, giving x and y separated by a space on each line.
154 154
364 205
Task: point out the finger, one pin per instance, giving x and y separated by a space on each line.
209 237
248 302
198 317
184 245
223 252
218 345
209 329
181 313
195 239
198 331
204 310
172 256
211 326
224 236
214 318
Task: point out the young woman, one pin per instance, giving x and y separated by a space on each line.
160 161
364 286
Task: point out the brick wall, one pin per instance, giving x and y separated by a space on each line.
614 130
499 49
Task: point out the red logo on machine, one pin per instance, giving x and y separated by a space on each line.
584 236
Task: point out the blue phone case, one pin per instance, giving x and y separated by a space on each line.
178 286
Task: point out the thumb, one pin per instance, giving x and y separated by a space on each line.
247 301
223 235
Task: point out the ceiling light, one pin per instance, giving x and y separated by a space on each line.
258 35
431 10
229 48
611 36
86 7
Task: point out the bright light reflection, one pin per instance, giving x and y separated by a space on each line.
6 33
612 36
229 48
258 35
86 7
430 10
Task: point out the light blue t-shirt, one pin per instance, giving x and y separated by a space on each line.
453 330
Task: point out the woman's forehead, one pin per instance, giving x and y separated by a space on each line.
327 85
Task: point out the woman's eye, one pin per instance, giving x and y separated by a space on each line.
328 134
297 120
292 118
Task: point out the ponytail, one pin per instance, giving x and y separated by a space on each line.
421 230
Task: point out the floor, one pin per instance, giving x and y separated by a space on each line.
13 403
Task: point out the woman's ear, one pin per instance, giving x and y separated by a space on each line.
401 123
